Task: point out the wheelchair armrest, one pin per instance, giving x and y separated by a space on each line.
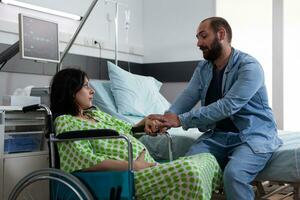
92 133
137 129
89 135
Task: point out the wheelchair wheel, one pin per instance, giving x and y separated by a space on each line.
52 184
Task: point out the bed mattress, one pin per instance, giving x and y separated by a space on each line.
284 163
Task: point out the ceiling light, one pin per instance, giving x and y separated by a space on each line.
42 9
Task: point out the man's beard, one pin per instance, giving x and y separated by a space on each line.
214 52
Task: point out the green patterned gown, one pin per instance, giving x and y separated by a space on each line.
193 177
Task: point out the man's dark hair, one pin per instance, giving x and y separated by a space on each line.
217 22
64 86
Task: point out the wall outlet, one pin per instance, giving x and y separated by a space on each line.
96 43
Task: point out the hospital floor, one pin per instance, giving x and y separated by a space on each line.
280 194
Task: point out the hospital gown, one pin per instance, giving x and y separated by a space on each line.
193 177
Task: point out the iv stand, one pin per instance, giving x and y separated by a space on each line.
84 18
117 4
116 35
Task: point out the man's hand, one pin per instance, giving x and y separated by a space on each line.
140 162
167 120
172 120
151 127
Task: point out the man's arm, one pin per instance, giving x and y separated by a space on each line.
250 79
183 103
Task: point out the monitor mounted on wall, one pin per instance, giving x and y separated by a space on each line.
38 39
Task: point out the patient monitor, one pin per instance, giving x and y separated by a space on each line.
38 39
39 42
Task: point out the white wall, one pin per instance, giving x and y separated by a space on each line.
97 27
160 31
170 34
170 29
9 82
291 67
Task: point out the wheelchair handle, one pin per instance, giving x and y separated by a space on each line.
35 107
29 108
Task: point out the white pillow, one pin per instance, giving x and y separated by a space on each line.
135 94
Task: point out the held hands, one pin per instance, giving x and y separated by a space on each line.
140 162
166 121
156 123
152 127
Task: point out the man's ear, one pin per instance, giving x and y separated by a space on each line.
222 34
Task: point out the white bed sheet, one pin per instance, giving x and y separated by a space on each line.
181 141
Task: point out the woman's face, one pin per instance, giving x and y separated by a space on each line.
84 96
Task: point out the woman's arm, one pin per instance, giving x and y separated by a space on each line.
140 123
109 165
120 165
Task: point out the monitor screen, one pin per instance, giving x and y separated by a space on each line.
38 39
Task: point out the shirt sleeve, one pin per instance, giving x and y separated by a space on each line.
249 81
75 155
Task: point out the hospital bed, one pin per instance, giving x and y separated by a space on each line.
282 169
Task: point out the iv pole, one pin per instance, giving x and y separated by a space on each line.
116 35
117 4
84 18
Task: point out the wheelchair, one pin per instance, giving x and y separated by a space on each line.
55 184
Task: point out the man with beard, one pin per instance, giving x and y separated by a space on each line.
238 124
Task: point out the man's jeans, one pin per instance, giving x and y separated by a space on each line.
239 163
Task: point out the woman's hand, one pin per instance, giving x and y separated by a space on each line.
152 127
140 162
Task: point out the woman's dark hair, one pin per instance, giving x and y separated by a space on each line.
64 86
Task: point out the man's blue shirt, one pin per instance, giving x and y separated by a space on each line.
244 101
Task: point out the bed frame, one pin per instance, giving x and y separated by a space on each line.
264 190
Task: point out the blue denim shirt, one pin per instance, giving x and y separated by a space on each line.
244 100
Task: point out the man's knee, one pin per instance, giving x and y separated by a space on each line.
232 174
237 173
237 183
197 148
